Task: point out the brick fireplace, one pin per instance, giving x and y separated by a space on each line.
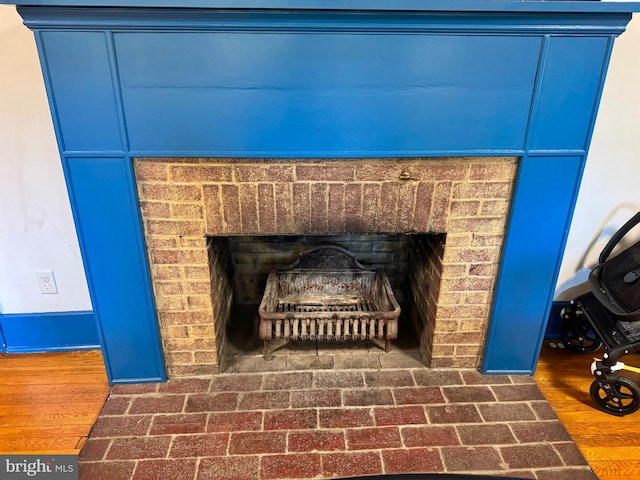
185 201
273 117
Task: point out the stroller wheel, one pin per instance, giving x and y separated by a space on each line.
623 401
579 337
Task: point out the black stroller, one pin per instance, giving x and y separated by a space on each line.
609 314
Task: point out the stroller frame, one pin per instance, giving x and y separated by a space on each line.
597 318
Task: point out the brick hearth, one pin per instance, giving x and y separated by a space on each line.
187 202
331 423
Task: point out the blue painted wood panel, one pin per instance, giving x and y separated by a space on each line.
106 209
286 94
79 74
48 332
569 93
562 6
542 205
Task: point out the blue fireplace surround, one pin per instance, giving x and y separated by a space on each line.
321 78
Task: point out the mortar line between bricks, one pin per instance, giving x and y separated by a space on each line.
196 470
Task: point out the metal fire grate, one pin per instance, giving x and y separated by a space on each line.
328 295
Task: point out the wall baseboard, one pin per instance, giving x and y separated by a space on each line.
555 322
48 332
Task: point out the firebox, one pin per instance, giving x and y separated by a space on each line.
465 123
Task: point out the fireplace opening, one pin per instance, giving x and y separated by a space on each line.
403 209
240 266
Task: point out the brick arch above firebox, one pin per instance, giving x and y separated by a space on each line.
485 78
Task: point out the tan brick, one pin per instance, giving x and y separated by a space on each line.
387 222
441 171
461 311
266 209
465 208
264 173
466 362
185 318
466 284
205 330
370 206
193 256
463 239
201 173
167 272
301 208
161 241
193 242
170 303
472 190
459 338
488 169
443 350
353 207
198 302
197 288
494 208
448 325
454 270
196 272
406 206
319 219
190 344
179 358
325 173
155 210
284 207
468 350
163 256
192 370
213 209
479 225
248 196
205 357
476 298
148 171
378 171
483 269
168 288
469 255
450 298
469 325
424 204
336 205
440 208
170 193
176 331
231 217
191 211
176 227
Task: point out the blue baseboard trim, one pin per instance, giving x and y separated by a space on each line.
555 322
48 332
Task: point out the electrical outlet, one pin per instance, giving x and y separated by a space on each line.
47 282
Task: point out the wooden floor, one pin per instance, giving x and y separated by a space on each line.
49 402
610 444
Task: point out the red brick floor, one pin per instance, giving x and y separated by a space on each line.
326 423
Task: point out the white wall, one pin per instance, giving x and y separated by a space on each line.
610 190
36 228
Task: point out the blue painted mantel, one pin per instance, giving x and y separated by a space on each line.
321 78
